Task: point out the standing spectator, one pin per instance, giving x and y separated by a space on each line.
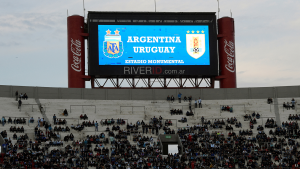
190 105
190 98
143 126
3 121
20 104
17 94
39 120
293 103
96 126
168 98
153 127
179 97
4 147
21 95
46 126
199 102
85 143
196 103
42 121
54 118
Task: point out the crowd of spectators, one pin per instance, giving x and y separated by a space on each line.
199 147
227 108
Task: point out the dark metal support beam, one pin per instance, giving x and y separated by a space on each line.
163 82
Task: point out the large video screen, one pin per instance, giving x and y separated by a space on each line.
153 45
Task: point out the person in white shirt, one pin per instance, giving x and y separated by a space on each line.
199 102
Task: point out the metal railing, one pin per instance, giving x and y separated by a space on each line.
1 143
180 143
161 145
28 105
82 107
132 108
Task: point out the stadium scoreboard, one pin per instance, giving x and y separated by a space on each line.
141 44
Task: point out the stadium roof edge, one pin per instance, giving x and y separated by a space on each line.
145 12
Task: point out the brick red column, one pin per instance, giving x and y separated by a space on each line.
76 54
226 41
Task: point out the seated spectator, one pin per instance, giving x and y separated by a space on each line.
189 113
284 105
65 112
9 120
31 120
229 128
223 108
257 115
288 107
185 98
172 98
15 136
25 97
85 117
270 100
168 98
183 119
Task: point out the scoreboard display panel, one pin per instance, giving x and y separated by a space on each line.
138 44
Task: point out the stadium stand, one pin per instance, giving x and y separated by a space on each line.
254 135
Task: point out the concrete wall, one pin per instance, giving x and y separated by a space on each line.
151 94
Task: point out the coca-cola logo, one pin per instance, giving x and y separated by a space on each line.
229 50
76 50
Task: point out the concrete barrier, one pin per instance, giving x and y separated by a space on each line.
151 94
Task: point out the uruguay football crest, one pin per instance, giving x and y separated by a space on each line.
195 43
112 45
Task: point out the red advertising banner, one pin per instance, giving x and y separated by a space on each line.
76 54
226 42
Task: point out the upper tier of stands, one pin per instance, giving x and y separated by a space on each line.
203 148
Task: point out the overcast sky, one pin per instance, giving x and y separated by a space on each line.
33 37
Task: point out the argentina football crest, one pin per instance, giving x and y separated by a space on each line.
112 45
195 43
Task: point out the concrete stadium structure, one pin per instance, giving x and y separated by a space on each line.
151 94
143 104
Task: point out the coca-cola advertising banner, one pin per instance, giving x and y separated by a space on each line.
229 50
227 53
152 49
76 52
